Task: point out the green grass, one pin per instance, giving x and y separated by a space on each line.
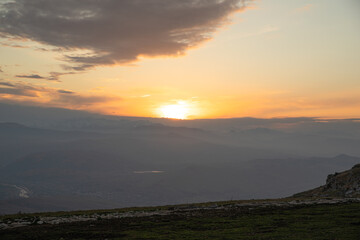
155 208
325 222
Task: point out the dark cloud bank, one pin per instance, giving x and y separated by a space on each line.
116 32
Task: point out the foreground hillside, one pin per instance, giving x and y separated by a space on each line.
272 219
343 184
309 217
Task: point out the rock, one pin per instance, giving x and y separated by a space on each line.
344 184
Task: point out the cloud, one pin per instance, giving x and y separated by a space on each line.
79 101
53 76
116 32
65 91
34 76
18 89
340 105
7 84
1 70
20 92
12 45
38 95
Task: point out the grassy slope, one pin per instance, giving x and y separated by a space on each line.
340 222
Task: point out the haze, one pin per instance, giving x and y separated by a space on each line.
112 103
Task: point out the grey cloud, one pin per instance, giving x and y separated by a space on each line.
65 91
1 70
12 45
53 76
18 89
35 76
19 92
7 84
54 97
76 100
116 32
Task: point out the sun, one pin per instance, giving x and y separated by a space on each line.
177 111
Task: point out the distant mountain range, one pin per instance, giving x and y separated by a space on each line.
57 159
305 137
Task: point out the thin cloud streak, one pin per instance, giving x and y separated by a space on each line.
53 76
65 91
34 76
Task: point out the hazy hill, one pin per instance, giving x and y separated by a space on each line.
17 140
304 137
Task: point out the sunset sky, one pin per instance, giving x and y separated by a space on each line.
183 59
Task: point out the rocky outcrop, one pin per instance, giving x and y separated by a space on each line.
344 184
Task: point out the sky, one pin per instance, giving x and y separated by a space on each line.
183 59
